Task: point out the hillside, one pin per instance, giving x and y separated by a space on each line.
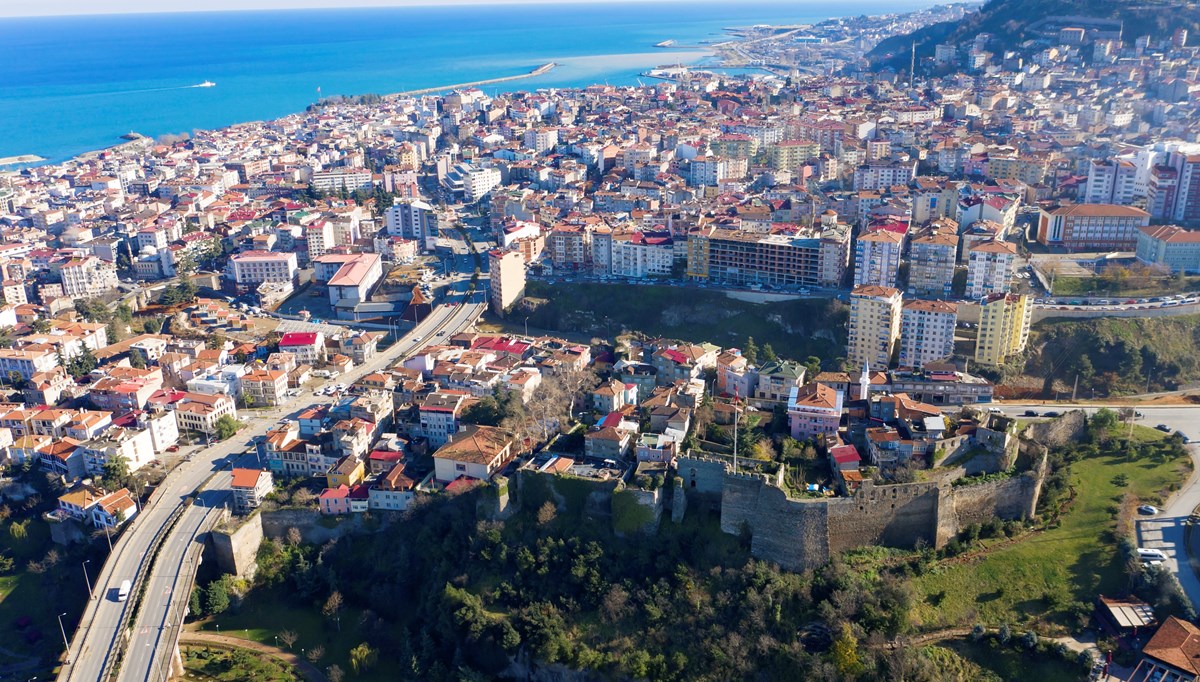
1009 21
1117 355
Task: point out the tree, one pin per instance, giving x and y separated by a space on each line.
546 513
19 530
768 354
116 472
750 352
196 602
315 653
227 426
1104 419
137 361
333 608
216 598
288 637
115 332
15 379
812 367
845 654
41 325
216 341
335 673
363 658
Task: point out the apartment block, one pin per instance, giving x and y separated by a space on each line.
931 264
926 332
877 258
1003 328
506 270
990 268
874 325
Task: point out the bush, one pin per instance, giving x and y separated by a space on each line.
1029 641
1004 634
977 632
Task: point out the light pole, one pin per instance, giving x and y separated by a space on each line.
88 580
527 327
108 536
66 645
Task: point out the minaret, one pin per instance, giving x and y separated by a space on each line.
864 382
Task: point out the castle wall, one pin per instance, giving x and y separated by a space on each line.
892 515
791 533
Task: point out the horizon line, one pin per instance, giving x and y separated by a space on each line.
270 6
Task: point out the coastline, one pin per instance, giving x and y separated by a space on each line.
543 69
21 159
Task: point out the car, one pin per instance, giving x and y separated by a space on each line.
1051 413
1137 415
173 448
1031 413
1148 509
1163 427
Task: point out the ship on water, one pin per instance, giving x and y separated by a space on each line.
205 84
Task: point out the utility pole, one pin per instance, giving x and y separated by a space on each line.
63 630
912 66
737 417
1075 389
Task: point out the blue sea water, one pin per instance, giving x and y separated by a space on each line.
73 84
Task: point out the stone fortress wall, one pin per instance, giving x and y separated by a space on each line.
801 534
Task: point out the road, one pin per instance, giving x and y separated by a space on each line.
96 639
1164 531
157 623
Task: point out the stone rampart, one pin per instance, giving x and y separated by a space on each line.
891 515
236 547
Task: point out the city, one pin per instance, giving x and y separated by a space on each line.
867 350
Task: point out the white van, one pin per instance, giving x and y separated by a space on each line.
123 591
1151 554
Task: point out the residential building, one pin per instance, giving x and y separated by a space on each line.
475 452
250 487
990 268
27 363
262 387
1003 328
931 264
251 268
308 347
342 178
439 416
1079 227
88 277
777 379
814 410
1111 181
506 271
877 258
926 332
1171 247
874 325
394 491
1171 654
414 219
198 412
114 509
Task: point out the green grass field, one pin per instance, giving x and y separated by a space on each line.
1034 581
23 594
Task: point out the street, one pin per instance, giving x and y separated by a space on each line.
1164 531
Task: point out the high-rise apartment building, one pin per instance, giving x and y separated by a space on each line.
874 325
1003 328
926 332
990 268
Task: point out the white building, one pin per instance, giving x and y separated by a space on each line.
88 277
412 218
877 258
506 276
1111 182
252 268
926 332
990 268
349 179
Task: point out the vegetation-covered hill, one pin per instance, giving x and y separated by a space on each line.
1008 20
1117 354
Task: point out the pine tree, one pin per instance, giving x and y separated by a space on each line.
750 352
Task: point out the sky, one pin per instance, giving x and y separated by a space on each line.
35 8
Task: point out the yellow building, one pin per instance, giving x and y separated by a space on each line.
874 325
1003 327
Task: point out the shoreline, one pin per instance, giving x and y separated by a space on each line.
21 159
541 70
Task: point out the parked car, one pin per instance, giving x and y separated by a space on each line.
1031 413
1051 413
1163 427
1148 509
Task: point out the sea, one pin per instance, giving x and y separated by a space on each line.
74 84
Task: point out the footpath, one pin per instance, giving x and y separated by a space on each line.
309 671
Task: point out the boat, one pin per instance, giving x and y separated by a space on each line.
206 84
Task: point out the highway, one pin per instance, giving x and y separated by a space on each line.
156 628
1165 530
95 641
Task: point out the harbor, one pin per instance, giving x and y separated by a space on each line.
541 70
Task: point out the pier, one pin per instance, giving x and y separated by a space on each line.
543 69
24 158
